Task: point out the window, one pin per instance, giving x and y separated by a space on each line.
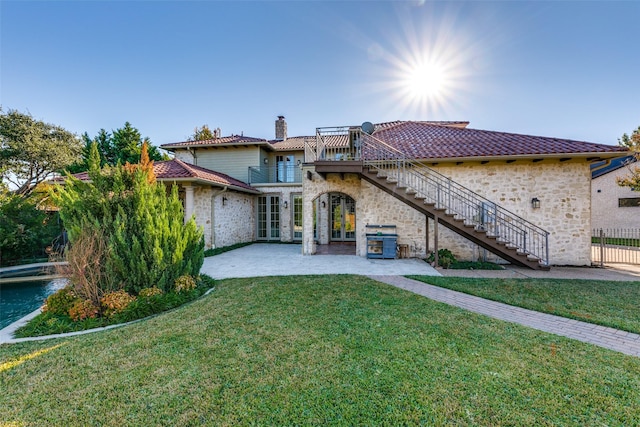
629 202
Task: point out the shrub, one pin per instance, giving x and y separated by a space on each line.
115 302
144 229
60 302
445 258
83 309
184 284
150 292
86 265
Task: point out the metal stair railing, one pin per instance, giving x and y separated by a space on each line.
455 199
470 208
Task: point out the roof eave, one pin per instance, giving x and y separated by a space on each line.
226 144
589 156
210 183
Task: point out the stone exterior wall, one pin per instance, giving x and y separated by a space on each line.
226 224
563 189
605 212
286 214
372 207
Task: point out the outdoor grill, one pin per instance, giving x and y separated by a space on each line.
381 241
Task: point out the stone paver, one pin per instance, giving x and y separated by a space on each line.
613 339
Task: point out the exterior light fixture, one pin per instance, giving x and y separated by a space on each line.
224 201
299 162
266 160
535 203
285 204
324 204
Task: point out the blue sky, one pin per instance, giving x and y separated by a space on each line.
564 69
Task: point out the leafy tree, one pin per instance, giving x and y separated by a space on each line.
32 150
633 144
122 146
25 230
202 134
148 242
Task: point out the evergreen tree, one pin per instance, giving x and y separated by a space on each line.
124 145
633 144
149 243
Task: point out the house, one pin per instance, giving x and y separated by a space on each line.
612 206
493 195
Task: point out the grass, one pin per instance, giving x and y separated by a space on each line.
607 303
475 265
617 241
316 350
218 251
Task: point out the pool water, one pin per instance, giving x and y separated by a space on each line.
21 298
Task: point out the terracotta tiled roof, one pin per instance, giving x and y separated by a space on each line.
223 140
177 169
423 140
386 125
294 143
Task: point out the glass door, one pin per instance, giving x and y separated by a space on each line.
342 217
296 202
285 171
268 218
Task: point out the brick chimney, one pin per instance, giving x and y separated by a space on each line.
281 129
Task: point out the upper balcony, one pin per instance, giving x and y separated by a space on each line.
283 174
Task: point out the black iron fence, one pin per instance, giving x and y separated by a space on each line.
615 245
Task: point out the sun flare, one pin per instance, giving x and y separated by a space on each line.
425 80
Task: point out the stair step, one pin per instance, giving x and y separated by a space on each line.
411 191
418 197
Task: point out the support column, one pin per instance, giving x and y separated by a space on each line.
426 250
435 240
188 202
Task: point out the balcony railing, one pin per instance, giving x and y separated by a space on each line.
280 174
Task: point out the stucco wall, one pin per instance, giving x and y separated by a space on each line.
605 212
563 190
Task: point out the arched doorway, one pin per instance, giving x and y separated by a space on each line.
342 218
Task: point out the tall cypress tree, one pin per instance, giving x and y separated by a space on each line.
149 243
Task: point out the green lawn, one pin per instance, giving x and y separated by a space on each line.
614 304
618 241
316 350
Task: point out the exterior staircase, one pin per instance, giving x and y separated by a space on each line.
445 201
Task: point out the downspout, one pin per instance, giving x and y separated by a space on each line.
213 216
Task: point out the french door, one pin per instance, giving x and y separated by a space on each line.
342 217
268 218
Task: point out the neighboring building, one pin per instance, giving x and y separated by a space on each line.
612 206
516 190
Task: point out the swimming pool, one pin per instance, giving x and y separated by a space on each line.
21 298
